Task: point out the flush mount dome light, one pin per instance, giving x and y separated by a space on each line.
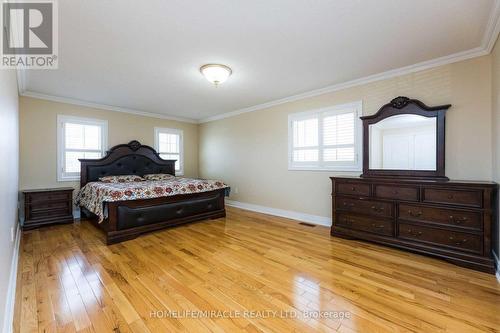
216 73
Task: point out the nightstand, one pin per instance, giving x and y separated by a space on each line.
47 206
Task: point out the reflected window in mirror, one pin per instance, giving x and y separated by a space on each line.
403 142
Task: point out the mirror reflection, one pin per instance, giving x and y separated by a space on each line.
403 142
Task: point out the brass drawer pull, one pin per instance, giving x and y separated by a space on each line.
380 226
415 233
417 214
348 204
457 242
377 209
458 220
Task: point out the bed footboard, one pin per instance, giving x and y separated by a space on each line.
128 219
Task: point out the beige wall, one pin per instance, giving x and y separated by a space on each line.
496 116
38 138
249 151
9 155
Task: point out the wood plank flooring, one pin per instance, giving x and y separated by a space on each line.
248 272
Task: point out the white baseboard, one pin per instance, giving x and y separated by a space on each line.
497 260
11 290
313 219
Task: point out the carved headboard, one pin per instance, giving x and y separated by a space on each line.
125 159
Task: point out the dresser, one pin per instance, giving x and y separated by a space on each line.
453 220
47 206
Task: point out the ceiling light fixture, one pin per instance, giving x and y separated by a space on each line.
216 73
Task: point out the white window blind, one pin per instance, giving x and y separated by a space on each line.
78 138
168 143
326 139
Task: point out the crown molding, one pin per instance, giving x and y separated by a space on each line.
488 42
78 102
456 57
492 28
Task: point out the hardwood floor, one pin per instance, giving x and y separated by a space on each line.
250 264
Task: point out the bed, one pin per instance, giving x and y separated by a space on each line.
124 218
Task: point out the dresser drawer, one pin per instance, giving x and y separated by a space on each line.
440 237
472 198
404 193
369 207
451 217
353 189
367 224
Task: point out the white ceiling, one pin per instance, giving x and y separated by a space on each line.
145 55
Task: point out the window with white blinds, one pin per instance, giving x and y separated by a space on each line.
168 143
78 138
326 139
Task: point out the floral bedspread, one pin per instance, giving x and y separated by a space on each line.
94 195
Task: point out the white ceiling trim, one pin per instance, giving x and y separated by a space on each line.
104 106
493 28
477 52
488 42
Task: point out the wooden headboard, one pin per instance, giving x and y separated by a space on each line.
125 159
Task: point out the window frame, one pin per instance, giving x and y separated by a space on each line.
320 114
157 131
61 149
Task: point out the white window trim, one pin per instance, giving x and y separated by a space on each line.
318 166
179 132
61 119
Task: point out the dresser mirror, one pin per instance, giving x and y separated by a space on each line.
406 139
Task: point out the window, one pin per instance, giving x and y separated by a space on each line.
326 139
78 138
168 143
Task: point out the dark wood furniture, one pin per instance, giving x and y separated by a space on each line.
451 220
47 206
404 105
128 219
418 210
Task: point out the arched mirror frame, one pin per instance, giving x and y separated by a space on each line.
404 105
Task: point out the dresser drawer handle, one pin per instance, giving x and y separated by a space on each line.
348 204
458 220
377 209
353 188
380 226
415 233
450 196
417 214
457 242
